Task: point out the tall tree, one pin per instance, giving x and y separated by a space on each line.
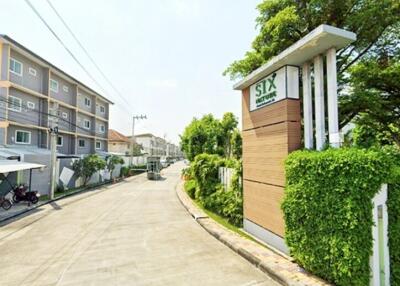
376 23
228 123
209 135
283 22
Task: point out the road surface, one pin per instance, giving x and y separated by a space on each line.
133 233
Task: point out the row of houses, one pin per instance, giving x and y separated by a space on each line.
36 95
32 90
144 144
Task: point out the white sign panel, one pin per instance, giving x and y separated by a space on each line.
281 84
66 175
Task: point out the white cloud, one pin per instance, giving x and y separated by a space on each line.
162 83
187 9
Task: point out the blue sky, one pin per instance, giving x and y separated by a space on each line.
165 56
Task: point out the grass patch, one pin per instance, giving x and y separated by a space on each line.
224 222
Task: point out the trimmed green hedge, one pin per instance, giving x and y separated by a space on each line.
328 212
394 233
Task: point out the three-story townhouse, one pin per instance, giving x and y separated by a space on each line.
31 89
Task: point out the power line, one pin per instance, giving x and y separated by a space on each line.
27 109
87 53
66 48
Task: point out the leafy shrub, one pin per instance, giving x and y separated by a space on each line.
124 171
141 167
190 188
60 188
205 172
112 161
87 166
394 232
186 174
209 191
228 204
393 205
328 212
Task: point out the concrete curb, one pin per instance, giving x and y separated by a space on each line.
277 267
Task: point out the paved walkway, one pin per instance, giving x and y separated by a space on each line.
134 233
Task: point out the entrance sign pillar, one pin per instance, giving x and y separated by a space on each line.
333 123
271 120
307 106
319 101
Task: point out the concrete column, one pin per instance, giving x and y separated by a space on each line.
4 61
307 107
319 101
333 121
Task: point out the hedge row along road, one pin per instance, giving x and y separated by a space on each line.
135 233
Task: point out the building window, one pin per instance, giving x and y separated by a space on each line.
87 102
16 67
65 88
98 144
102 128
14 103
86 123
81 143
30 105
22 137
54 85
65 115
102 109
32 71
60 141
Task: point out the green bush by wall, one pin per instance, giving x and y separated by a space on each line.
204 170
328 212
190 188
394 233
210 193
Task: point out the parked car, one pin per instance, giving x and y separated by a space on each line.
164 163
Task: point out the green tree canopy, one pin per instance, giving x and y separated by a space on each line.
209 135
86 167
283 22
375 97
368 69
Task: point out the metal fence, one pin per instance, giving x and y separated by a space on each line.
225 176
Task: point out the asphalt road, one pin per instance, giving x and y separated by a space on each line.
133 233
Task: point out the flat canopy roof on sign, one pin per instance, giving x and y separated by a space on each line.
316 42
7 166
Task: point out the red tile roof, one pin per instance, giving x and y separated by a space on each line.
114 135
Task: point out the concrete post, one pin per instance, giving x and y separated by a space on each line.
307 107
333 121
319 101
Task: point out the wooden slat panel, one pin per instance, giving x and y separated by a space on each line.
270 133
284 110
294 139
262 205
265 150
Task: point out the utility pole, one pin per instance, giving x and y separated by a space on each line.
135 117
53 130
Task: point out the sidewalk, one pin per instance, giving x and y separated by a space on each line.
278 267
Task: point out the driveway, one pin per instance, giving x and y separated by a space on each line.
134 233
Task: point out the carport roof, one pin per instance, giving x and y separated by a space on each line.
7 166
12 150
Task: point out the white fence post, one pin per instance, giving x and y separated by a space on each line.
225 176
380 260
